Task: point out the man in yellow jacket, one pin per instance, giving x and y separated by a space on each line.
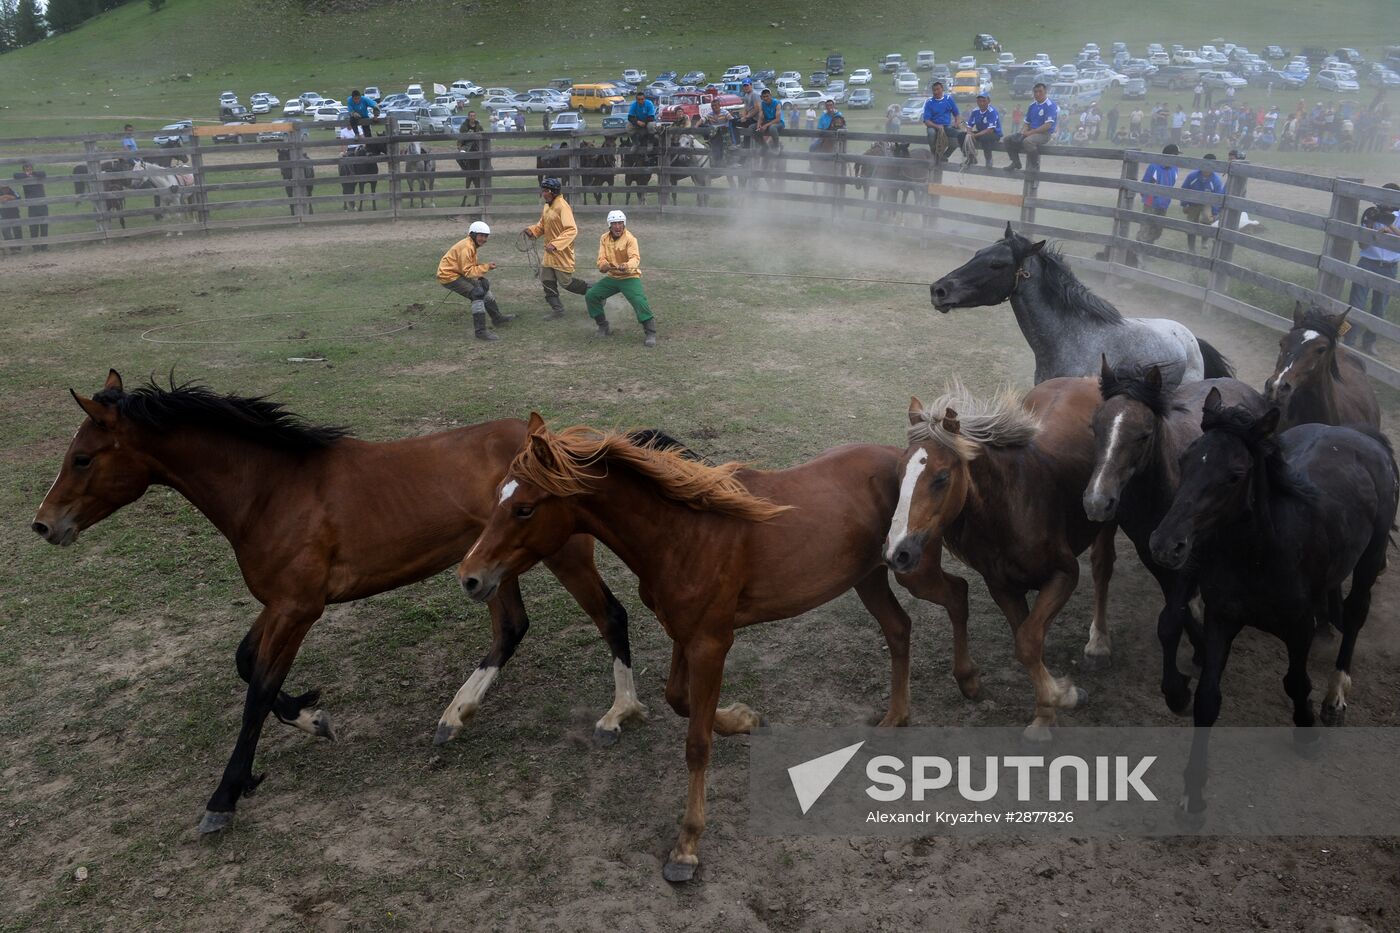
621 261
460 271
557 228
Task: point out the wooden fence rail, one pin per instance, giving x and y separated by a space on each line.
1088 197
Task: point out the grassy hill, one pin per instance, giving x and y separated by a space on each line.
131 63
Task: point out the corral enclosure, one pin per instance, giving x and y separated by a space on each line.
122 697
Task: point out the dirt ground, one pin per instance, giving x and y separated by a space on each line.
123 702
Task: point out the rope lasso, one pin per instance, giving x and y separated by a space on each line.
531 249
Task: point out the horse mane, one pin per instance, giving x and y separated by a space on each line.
1328 325
1131 383
193 405
563 464
999 421
1062 289
1239 421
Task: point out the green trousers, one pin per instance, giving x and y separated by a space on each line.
608 286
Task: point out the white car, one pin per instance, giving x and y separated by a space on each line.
228 97
272 99
906 82
1006 58
465 88
737 73
913 110
414 91
787 88
1222 79
259 104
633 75
967 63
330 113
791 76
836 90
292 108
437 119
569 122
499 92
812 97
861 76
498 102
1159 58
1335 81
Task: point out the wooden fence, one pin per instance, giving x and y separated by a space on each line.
1087 198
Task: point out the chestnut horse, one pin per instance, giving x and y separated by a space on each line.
315 517
1316 379
999 482
715 549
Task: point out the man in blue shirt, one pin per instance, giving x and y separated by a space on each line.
831 118
642 113
1037 129
1203 179
941 123
984 125
360 107
129 138
1380 259
770 119
1155 174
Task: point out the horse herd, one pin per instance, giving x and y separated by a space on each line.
1263 504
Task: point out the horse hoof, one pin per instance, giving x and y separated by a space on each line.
606 738
1333 715
324 728
1036 739
1188 820
1081 698
444 734
1095 662
679 872
213 822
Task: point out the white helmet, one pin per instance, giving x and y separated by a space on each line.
479 226
615 217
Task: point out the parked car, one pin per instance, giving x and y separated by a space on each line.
737 73
983 41
1022 86
906 82
464 88
811 96
836 90
230 133
1005 58
616 118
568 122
693 77
941 73
259 104
861 76
925 60
505 118
272 99
1222 79
766 75
1335 81
292 108
818 79
1069 73
235 113
174 134
330 113
228 97
913 109
860 98
540 103
1275 52
414 92
1350 56
1135 89
279 136
1175 77
1269 77
835 63
1385 77
372 92
786 88
893 63
633 75
1160 59
967 62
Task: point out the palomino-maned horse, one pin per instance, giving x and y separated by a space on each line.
315 517
1140 432
1274 525
715 549
1316 379
1068 327
998 481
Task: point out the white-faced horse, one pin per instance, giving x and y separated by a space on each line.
174 190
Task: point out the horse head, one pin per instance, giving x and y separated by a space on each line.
989 277
1307 353
933 485
1125 433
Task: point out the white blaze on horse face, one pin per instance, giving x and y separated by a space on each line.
899 525
508 490
1310 335
1097 488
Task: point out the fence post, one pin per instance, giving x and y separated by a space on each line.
1030 186
297 153
201 195
1118 251
927 220
838 171
1347 210
572 182
484 165
394 180
94 167
1223 250
663 173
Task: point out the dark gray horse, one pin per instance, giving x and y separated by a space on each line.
359 163
300 172
109 197
1069 328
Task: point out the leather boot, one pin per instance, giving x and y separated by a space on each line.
649 328
479 320
604 329
556 307
494 310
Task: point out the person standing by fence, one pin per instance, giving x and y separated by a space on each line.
32 182
1380 259
129 138
1038 128
620 259
1155 174
984 124
462 272
9 217
1203 179
558 229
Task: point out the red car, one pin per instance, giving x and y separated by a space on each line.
687 104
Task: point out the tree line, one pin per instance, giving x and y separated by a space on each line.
23 23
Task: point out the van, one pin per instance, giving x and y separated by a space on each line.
835 63
598 97
967 85
925 60
737 73
1066 94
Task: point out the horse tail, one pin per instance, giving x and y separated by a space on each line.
657 439
1216 365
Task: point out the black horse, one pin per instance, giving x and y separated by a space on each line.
555 162
108 198
1274 525
640 153
300 171
600 168
470 159
359 160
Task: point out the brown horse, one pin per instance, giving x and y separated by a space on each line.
1316 379
715 549
315 517
999 482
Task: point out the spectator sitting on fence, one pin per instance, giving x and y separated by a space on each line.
1203 179
770 120
941 119
1037 130
984 126
642 114
1383 260
360 107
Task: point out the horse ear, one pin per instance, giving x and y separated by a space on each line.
535 425
104 416
916 410
1154 378
1266 425
1008 234
1212 402
114 381
950 421
1036 247
1105 371
1298 313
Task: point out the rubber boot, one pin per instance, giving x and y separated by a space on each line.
604 329
649 328
494 310
556 307
482 333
